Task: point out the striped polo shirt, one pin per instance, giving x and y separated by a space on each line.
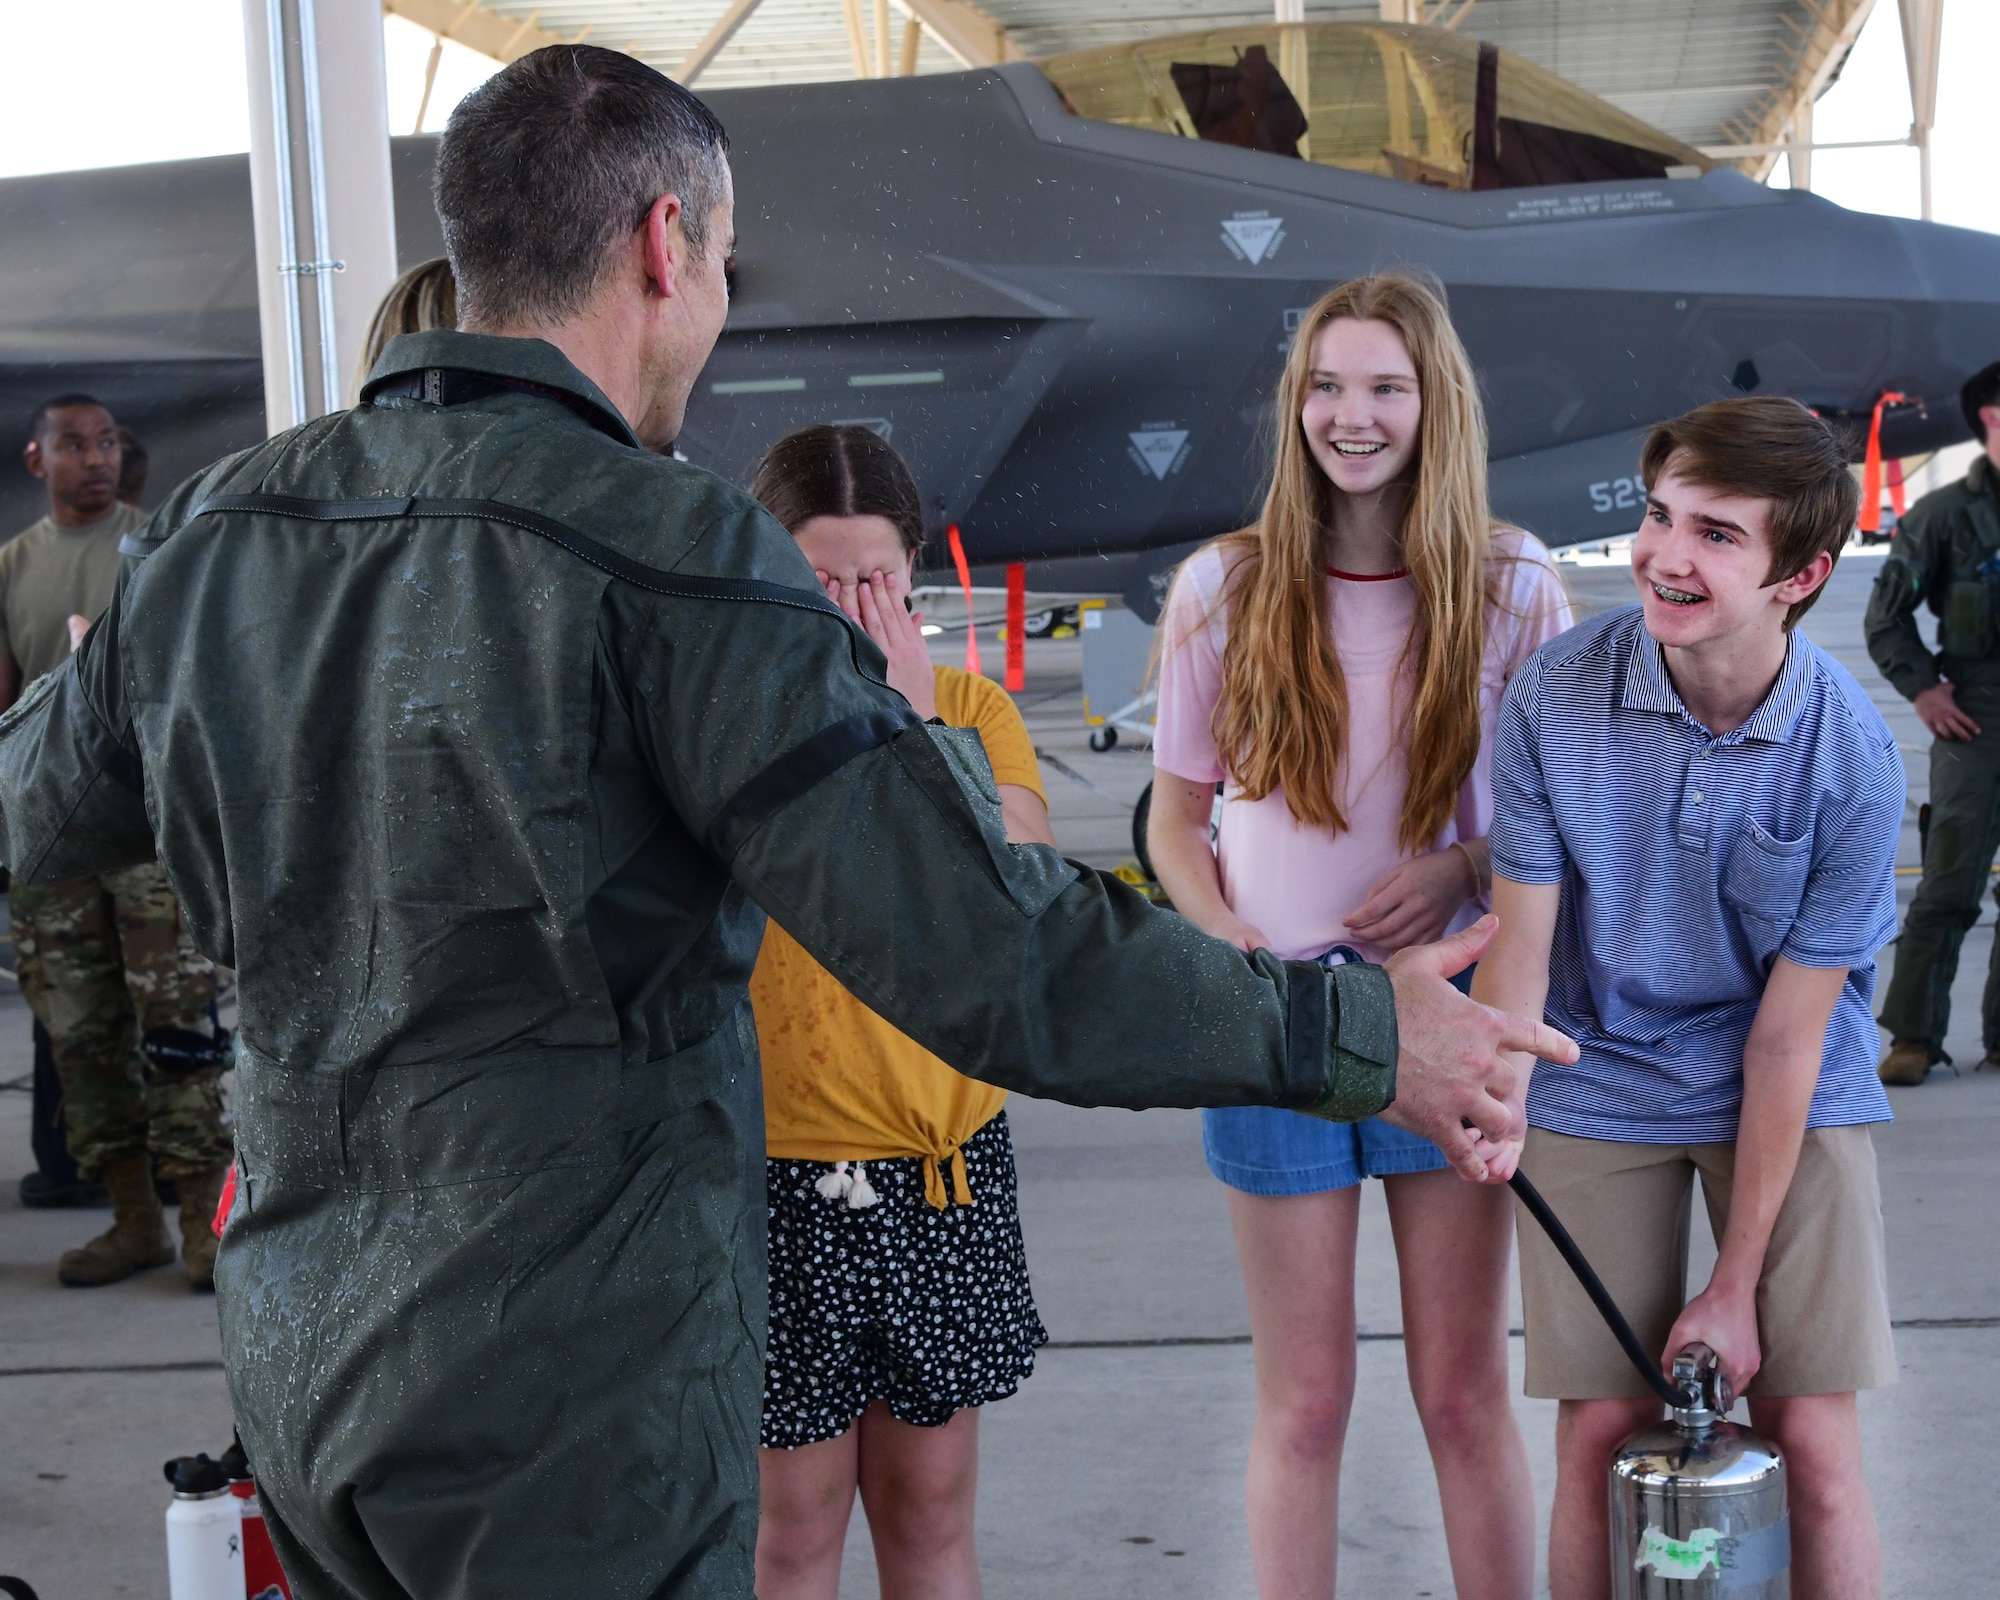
1688 863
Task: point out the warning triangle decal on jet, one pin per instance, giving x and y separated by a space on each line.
1159 450
1253 236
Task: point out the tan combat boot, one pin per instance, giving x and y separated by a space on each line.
137 1238
200 1194
1906 1065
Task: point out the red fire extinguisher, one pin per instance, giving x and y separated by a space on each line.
263 1578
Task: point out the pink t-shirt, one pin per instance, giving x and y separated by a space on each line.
1297 883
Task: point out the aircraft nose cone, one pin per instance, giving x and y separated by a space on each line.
1953 330
1957 264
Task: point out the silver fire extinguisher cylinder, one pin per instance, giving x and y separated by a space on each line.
1698 1504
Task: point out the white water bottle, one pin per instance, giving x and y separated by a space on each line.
204 1532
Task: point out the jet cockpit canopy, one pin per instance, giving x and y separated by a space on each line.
1425 105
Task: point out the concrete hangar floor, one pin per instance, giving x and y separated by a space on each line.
1117 1472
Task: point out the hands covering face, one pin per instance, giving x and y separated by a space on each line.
877 603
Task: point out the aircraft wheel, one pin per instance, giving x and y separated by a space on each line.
1102 739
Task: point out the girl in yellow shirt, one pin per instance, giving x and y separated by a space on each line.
899 1287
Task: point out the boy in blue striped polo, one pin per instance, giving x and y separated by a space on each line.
1693 851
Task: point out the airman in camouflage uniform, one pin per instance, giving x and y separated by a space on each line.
1947 556
105 962
107 966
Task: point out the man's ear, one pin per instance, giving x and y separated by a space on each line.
1806 580
1990 415
32 456
663 246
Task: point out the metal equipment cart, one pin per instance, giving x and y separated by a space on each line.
1117 663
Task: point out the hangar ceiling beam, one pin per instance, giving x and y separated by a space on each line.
1787 147
430 81
1802 146
857 36
1823 43
1437 14
469 23
733 17
965 30
1923 39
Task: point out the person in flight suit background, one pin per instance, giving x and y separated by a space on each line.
104 960
1946 555
479 735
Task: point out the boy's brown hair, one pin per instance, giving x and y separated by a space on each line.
1768 448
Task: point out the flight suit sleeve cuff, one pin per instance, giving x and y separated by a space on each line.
1343 1040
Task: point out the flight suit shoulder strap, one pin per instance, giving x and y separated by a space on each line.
772 789
592 552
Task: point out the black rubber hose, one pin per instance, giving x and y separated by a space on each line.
1607 1308
1142 816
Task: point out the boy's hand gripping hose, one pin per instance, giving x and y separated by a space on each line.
1600 1296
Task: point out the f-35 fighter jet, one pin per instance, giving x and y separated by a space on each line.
1064 289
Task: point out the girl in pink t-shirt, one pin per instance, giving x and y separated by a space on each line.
1337 667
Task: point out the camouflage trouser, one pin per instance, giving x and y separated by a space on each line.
103 961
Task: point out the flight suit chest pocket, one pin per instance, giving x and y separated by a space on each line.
1966 631
1764 883
953 766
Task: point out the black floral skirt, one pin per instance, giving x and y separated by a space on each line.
898 1301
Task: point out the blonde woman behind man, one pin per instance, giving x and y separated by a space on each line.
423 298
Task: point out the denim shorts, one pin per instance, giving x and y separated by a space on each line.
1262 1150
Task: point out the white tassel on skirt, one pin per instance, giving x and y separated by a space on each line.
853 1187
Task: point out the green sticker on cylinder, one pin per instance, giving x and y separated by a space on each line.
1678 1559
1732 1561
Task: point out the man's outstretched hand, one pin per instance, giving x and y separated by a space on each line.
1450 1067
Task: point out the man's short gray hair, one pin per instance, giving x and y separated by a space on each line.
552 162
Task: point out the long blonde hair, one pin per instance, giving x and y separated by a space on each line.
423 298
1282 720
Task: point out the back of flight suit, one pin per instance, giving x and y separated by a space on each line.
474 737
1947 555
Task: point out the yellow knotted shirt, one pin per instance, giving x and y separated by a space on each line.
840 1084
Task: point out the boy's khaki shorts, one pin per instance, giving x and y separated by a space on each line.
1822 1304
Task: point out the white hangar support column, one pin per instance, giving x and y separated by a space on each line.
321 193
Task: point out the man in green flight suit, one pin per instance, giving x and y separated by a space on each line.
1947 556
479 735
